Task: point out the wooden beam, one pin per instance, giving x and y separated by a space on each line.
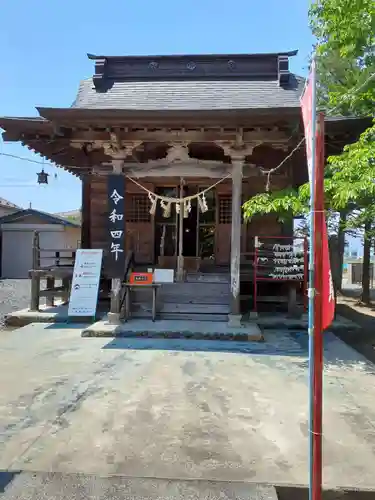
214 172
180 134
76 136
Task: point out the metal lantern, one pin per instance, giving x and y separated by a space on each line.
42 177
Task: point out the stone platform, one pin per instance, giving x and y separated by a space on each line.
194 329
23 317
250 329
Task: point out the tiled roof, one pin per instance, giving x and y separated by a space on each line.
191 95
49 218
71 215
6 203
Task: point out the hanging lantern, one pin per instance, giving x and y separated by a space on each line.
42 177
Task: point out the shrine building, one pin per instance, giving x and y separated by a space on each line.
180 142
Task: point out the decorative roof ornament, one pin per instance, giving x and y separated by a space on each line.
42 177
178 153
191 65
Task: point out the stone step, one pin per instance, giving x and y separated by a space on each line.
208 278
182 308
180 316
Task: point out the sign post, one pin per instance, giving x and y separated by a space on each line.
85 283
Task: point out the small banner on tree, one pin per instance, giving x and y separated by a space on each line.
115 262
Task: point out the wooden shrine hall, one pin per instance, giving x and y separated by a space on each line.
180 142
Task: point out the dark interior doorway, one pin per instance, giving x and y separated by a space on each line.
198 228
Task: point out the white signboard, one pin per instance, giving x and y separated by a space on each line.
85 283
164 276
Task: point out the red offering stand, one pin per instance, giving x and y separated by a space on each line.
141 278
276 260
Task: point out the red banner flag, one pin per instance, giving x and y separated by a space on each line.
307 114
325 299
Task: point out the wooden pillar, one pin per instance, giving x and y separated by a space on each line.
180 256
35 290
66 283
35 279
292 300
235 253
86 213
50 302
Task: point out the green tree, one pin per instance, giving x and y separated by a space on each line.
345 52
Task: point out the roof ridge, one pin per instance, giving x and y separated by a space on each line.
290 53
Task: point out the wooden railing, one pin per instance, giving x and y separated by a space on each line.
51 265
55 257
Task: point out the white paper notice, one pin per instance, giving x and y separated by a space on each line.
164 276
85 284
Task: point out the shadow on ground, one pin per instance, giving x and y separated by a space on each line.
6 477
40 485
363 341
276 343
302 493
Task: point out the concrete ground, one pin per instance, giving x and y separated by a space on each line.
14 295
181 409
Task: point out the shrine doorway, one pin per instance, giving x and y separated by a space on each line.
198 229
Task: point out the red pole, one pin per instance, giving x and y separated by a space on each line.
255 298
319 220
305 272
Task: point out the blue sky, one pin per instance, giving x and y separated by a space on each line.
44 46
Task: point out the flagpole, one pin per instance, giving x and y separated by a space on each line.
311 291
319 230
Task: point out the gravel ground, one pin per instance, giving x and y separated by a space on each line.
14 295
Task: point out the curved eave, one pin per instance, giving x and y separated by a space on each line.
72 160
339 124
237 117
15 127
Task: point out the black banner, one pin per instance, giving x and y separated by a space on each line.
115 262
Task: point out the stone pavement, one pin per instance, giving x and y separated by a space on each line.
54 486
181 409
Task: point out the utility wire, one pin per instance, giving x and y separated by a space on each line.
350 93
23 158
